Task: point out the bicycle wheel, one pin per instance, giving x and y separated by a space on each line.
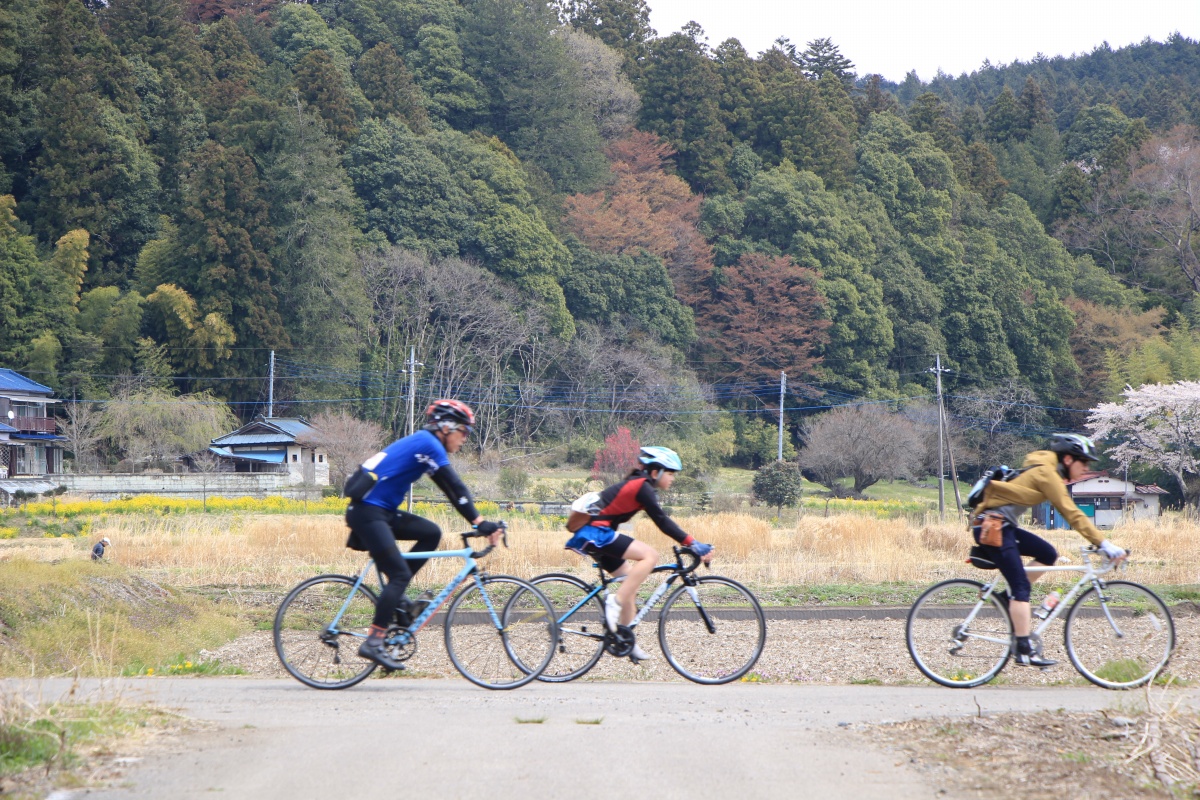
310 648
946 647
500 632
580 635
712 632
1121 637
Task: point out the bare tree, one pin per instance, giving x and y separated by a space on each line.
1167 186
864 443
997 411
84 430
207 464
346 440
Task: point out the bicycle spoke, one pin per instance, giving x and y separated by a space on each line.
581 635
1120 637
948 649
503 636
308 648
712 632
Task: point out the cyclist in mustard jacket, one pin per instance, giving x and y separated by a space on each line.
1043 478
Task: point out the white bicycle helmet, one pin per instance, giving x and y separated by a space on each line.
660 458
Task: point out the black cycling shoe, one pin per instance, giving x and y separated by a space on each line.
375 650
404 613
1032 660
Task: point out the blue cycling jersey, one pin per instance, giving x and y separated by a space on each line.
400 464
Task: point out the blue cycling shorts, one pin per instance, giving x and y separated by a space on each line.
593 535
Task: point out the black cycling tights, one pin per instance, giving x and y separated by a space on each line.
378 529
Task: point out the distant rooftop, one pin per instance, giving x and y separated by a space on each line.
267 430
13 381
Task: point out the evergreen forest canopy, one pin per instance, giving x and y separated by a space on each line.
579 223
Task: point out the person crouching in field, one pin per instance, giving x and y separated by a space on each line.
98 550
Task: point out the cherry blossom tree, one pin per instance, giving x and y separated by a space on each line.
1157 425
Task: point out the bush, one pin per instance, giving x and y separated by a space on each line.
581 451
513 482
778 484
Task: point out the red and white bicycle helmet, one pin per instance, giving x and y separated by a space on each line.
454 412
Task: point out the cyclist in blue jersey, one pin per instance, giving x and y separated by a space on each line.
376 522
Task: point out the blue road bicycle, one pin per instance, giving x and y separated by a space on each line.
500 631
711 629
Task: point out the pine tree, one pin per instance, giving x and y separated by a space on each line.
388 84
822 57
681 92
1004 117
320 85
224 239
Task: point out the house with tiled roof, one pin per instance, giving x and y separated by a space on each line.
1108 500
274 444
30 446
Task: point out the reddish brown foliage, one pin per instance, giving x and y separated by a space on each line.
764 315
755 318
645 208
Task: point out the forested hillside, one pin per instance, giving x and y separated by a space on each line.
578 222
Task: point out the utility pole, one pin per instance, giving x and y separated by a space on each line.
271 387
953 469
937 370
412 400
782 389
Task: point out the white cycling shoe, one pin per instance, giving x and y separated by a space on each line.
612 613
638 654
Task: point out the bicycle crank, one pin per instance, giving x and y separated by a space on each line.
620 643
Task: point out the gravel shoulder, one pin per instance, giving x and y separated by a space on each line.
805 651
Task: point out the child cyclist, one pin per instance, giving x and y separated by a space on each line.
621 555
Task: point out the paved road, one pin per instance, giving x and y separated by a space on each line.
449 739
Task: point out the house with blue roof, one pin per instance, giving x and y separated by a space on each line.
274 444
30 445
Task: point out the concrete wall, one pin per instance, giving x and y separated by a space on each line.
186 484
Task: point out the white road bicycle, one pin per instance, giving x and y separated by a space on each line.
1118 634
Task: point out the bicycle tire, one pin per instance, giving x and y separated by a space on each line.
717 639
505 656
580 636
1134 656
308 650
942 650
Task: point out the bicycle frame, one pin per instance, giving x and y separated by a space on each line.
470 567
647 606
1091 576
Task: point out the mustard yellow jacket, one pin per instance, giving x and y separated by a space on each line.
1040 482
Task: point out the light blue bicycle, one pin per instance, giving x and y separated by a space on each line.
500 631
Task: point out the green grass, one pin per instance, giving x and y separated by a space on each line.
593 721
100 619
530 720
49 737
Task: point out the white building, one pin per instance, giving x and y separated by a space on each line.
274 444
1111 501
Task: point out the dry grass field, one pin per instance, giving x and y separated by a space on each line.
278 550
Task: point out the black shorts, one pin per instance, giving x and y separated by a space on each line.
611 557
1018 542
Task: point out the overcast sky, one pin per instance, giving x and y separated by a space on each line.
892 37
